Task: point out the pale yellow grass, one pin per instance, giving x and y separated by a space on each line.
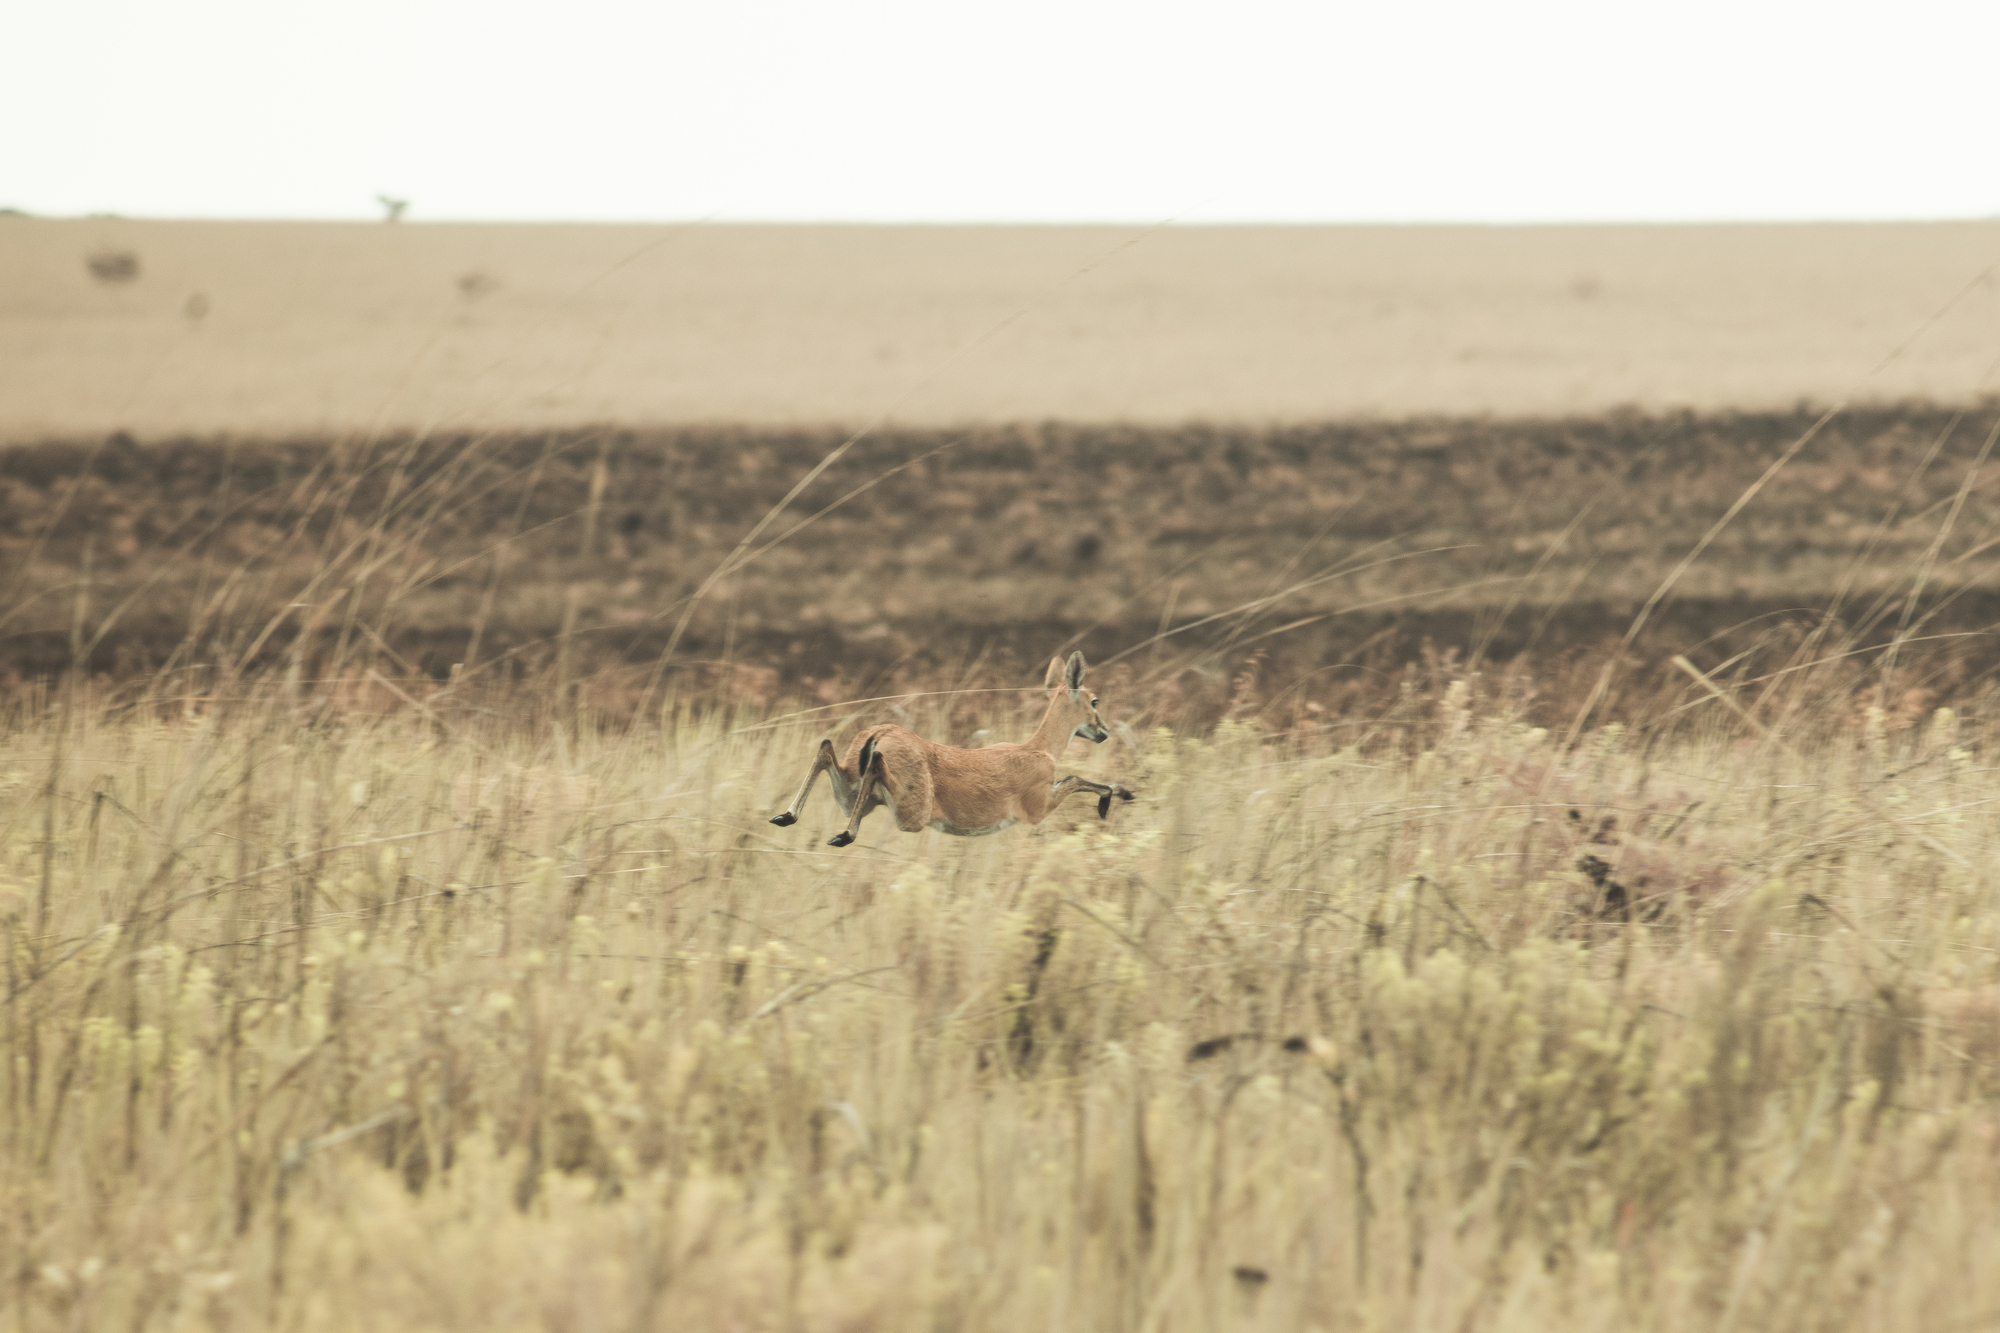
376 1026
329 328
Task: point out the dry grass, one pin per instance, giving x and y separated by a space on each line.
448 1018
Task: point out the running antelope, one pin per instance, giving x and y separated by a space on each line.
963 792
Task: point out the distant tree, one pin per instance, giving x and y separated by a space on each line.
392 209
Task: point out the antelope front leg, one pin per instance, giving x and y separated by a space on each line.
864 793
1064 786
822 761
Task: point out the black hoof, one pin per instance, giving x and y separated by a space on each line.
785 820
840 839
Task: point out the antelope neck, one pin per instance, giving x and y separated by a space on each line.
1052 737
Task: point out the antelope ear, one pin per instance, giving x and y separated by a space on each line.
1054 678
1073 673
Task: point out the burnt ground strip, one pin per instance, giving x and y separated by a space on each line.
1434 543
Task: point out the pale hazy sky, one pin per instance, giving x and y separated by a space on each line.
894 110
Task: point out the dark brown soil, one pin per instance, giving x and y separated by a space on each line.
1440 546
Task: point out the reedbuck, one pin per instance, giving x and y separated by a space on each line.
964 792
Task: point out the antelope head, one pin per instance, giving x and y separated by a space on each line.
1074 707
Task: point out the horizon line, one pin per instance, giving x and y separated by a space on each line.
15 212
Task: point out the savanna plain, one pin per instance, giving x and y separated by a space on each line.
1559 893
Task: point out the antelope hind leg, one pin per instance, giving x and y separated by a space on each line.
822 761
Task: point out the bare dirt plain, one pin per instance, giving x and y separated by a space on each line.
327 328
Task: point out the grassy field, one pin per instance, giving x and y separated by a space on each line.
257 330
395 939
456 1017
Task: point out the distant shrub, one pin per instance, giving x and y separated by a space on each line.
113 266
